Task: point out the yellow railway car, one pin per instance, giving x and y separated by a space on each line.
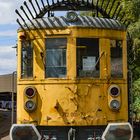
71 78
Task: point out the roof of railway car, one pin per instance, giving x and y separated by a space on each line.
82 21
8 83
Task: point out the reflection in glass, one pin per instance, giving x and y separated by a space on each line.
118 132
87 57
26 59
56 57
116 59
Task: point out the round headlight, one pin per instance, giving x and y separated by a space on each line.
114 90
115 104
30 105
30 92
71 16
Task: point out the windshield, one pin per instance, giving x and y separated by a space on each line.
26 59
56 57
87 57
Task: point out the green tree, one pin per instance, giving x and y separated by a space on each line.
136 95
133 14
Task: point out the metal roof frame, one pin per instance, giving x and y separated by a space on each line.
44 7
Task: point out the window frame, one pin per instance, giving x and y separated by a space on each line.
55 37
21 60
99 63
122 59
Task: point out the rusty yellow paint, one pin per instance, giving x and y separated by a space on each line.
69 100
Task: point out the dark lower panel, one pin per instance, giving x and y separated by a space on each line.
71 132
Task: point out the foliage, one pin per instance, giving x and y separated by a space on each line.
136 96
133 14
134 31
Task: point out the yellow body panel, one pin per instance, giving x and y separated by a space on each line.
70 100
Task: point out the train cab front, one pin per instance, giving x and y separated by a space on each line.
72 79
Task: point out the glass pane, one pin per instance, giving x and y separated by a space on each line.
116 59
56 43
24 133
56 57
87 57
118 132
26 59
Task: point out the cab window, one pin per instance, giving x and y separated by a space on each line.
26 59
56 57
116 59
87 57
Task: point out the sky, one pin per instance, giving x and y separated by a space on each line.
8 35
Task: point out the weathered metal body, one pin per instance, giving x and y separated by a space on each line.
72 71
72 101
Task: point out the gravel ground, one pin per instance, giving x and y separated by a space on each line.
5 124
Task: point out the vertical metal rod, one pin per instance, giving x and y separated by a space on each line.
123 14
102 3
107 5
38 5
92 4
117 15
21 7
33 7
58 1
48 2
71 134
111 7
22 19
19 15
27 15
13 86
20 24
87 2
43 3
48 13
124 21
131 95
52 1
115 9
97 3
28 9
97 7
94 135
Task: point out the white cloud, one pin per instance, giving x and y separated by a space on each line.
7 10
7 59
8 16
8 33
7 53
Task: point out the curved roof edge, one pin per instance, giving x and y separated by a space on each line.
82 21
